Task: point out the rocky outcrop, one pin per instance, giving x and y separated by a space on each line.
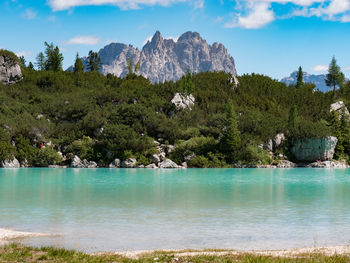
151 166
182 101
328 164
286 164
340 108
314 149
10 163
115 164
273 144
168 164
129 163
78 163
10 71
165 59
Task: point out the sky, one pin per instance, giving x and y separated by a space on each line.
271 37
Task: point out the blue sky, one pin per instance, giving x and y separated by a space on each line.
271 37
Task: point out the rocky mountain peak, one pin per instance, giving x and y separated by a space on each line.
188 36
165 60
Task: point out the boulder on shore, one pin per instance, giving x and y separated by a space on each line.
10 163
168 164
129 163
314 149
115 164
286 164
78 163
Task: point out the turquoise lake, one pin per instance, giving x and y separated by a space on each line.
136 209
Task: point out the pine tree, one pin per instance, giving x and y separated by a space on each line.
300 78
334 77
78 65
54 58
30 65
186 83
22 61
94 61
231 137
40 61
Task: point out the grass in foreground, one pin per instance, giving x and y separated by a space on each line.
18 253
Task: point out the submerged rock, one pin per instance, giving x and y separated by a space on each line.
182 101
314 149
10 163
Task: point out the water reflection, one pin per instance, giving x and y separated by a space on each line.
108 209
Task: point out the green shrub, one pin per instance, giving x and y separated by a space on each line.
47 156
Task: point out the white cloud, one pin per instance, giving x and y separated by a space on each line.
83 40
29 14
346 69
260 14
24 53
58 5
320 68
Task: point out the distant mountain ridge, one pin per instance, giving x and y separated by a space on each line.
165 59
318 80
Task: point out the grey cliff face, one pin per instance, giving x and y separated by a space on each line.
10 71
315 149
165 60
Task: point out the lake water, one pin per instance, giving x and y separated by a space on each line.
137 209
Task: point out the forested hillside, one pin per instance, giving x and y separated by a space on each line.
100 118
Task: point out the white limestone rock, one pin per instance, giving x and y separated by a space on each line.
182 101
115 164
129 163
10 70
168 164
10 163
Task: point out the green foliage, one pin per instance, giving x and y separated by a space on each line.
54 58
231 137
300 78
40 61
293 117
334 77
84 148
47 156
78 65
12 56
22 61
94 61
103 117
187 86
25 151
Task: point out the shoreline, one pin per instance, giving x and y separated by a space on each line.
287 253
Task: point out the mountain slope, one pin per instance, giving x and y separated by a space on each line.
164 59
318 80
